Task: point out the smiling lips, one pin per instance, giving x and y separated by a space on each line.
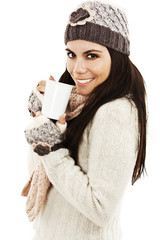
83 82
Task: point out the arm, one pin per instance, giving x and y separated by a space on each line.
113 145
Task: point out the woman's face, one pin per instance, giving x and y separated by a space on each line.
88 63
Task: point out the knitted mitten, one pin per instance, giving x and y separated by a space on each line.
35 102
42 131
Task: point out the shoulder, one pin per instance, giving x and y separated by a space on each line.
121 109
122 105
119 113
115 123
114 130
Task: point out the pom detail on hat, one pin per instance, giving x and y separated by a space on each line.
101 23
81 16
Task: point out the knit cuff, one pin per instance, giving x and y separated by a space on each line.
98 34
55 157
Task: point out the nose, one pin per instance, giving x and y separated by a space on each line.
80 66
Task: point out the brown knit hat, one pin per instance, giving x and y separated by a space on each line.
101 23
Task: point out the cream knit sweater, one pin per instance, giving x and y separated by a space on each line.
84 201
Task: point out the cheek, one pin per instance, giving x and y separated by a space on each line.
106 70
69 67
103 73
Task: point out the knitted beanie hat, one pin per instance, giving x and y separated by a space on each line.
101 23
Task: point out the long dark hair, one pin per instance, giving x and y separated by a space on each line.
124 81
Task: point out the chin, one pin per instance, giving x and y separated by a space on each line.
83 91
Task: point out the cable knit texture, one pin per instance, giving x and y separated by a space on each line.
35 101
99 22
85 199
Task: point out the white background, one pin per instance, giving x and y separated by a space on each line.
32 48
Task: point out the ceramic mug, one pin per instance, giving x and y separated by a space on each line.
56 98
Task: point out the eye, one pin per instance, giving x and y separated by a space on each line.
92 56
70 54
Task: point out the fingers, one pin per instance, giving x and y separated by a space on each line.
41 89
38 113
51 78
62 119
42 83
31 113
41 86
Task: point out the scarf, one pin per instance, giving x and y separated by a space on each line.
38 185
75 105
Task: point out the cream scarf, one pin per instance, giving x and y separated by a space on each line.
37 187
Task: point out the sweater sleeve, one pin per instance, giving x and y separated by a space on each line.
112 154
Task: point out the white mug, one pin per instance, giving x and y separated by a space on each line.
56 98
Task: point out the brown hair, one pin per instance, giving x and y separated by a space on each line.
124 80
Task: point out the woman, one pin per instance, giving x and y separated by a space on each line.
105 143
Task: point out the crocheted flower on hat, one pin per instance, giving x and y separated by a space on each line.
81 16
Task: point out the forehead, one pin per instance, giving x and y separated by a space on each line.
83 46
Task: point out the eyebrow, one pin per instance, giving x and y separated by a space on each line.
88 51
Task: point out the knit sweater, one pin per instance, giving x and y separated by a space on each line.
85 199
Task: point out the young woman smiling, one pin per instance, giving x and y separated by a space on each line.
88 63
105 142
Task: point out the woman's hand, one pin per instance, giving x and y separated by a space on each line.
41 129
42 85
62 119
